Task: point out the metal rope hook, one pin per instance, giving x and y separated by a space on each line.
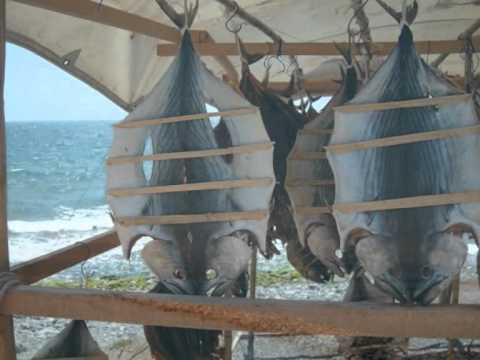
229 20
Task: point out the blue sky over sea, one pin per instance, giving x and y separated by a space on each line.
36 90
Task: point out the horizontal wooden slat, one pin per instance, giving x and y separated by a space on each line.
263 315
315 132
410 202
404 139
234 150
304 210
313 155
44 266
192 218
405 104
211 185
310 182
180 118
318 48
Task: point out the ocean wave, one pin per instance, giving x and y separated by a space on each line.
68 220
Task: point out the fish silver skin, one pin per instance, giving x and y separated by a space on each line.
412 254
183 256
318 233
74 341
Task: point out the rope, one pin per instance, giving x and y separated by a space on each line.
8 281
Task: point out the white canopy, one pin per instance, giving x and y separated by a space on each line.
124 65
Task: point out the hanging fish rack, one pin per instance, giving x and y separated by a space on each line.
234 114
262 315
390 204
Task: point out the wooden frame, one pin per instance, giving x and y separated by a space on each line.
192 218
316 48
404 104
404 139
210 185
295 317
180 118
234 150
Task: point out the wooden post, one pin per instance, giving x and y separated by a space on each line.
7 339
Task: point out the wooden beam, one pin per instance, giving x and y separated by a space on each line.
315 48
190 117
192 218
110 16
305 317
404 104
234 150
7 337
210 185
404 139
34 270
467 197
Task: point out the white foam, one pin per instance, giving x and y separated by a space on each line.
29 239
472 249
69 220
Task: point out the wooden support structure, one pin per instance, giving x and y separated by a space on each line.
404 139
316 48
404 104
7 338
305 317
210 185
192 218
234 150
110 16
34 270
181 118
466 197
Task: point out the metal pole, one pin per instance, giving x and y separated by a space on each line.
7 339
253 294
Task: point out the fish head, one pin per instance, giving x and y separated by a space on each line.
413 267
227 259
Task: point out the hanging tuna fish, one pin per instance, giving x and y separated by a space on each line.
282 121
310 180
74 341
205 205
411 249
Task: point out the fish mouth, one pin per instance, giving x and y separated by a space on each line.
423 292
217 286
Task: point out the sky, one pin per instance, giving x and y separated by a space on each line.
36 90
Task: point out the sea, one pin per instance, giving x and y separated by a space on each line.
56 189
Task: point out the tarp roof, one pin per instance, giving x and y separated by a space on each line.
124 65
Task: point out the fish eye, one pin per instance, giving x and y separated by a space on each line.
426 272
179 274
211 274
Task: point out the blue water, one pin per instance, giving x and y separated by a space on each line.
56 184
55 165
